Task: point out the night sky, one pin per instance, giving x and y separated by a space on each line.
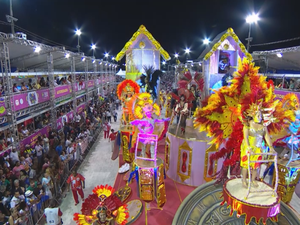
175 24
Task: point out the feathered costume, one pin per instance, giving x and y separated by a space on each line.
145 111
102 201
127 91
149 82
222 118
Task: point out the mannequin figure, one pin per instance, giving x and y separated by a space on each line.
254 135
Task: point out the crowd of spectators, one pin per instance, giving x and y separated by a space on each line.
29 178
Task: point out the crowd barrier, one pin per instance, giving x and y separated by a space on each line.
35 213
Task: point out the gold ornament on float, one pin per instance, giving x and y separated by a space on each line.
226 46
142 44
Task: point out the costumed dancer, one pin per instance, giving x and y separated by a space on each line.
127 91
149 82
182 111
196 96
221 113
146 113
102 208
291 141
254 135
168 107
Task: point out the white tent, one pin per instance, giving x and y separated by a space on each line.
121 73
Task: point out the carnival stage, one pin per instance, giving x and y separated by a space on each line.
175 193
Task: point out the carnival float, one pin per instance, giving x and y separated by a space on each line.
168 145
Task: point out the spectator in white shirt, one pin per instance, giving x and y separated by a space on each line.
46 143
16 199
39 154
108 116
14 155
71 152
68 141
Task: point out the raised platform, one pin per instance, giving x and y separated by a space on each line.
262 204
187 159
202 206
175 194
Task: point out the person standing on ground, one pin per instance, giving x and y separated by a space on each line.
115 115
108 115
52 214
112 139
77 183
106 128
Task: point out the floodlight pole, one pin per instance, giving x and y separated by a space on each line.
78 46
249 39
12 18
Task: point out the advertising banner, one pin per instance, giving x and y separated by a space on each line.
62 90
281 93
79 86
80 108
2 107
32 139
91 83
60 122
22 101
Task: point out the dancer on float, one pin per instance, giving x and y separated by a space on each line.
127 91
182 112
221 115
149 82
147 114
254 134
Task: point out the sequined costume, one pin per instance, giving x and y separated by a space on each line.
255 138
184 111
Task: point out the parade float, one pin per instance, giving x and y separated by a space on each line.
186 149
141 50
242 117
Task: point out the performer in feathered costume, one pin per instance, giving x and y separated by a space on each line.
291 140
147 120
127 91
224 113
102 208
149 82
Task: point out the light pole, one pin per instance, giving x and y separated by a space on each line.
253 18
10 18
93 48
78 33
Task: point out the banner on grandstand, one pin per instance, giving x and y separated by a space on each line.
64 119
32 139
25 100
80 108
281 93
98 82
79 86
90 83
2 107
62 90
